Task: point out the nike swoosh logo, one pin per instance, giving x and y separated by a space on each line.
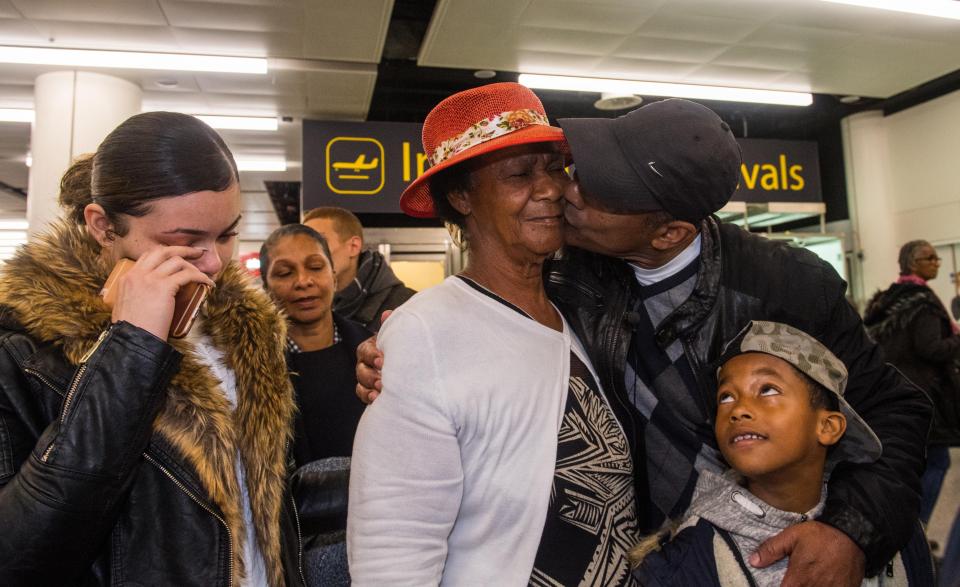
654 169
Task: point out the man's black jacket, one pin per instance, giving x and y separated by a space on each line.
745 277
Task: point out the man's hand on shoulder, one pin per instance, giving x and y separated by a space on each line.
819 555
369 364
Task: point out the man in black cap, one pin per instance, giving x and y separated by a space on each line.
654 285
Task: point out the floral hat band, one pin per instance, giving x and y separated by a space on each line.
509 115
485 130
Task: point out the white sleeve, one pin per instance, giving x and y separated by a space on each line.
406 479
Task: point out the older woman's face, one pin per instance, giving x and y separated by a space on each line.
516 202
926 263
301 279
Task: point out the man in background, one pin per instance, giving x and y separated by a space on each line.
366 286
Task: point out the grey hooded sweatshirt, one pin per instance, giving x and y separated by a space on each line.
722 501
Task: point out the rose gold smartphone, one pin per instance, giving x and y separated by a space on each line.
186 305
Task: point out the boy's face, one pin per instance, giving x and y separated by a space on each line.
766 426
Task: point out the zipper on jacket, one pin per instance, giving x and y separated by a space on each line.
296 517
66 406
68 398
200 503
44 380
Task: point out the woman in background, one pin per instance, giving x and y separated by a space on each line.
918 337
297 271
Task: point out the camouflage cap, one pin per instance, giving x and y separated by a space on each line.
859 444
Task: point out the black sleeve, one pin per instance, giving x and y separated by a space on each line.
59 498
928 340
876 504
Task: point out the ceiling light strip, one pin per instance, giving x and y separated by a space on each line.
601 85
245 163
131 60
16 115
938 8
267 123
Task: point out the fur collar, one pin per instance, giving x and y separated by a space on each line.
52 287
892 312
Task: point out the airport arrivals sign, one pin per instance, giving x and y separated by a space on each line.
364 166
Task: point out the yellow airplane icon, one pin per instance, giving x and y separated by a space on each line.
356 167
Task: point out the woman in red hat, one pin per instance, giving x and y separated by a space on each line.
492 458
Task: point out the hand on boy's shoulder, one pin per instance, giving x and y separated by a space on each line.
819 555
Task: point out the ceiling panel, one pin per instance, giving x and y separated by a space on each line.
333 95
669 25
622 67
242 43
346 31
237 17
617 19
669 49
554 41
17 31
142 12
778 59
8 10
835 49
747 10
105 35
799 38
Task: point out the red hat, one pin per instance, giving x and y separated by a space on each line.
472 123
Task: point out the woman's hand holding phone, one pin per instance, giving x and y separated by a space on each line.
145 295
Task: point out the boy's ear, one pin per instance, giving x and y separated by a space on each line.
831 428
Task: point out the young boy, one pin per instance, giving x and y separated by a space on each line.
781 424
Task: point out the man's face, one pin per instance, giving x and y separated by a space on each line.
591 227
340 249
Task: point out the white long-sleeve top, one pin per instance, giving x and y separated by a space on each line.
453 463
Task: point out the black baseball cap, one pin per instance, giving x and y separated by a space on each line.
673 155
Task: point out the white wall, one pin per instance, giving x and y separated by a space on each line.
903 183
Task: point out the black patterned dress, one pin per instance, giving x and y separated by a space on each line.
592 518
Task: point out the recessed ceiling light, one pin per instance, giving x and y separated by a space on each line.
484 74
167 83
849 99
131 60
617 102
618 86
938 8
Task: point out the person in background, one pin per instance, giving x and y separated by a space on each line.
366 284
297 270
127 456
918 337
492 457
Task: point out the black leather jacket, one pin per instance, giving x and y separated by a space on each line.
88 494
745 277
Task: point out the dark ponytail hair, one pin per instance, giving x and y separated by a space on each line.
149 156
